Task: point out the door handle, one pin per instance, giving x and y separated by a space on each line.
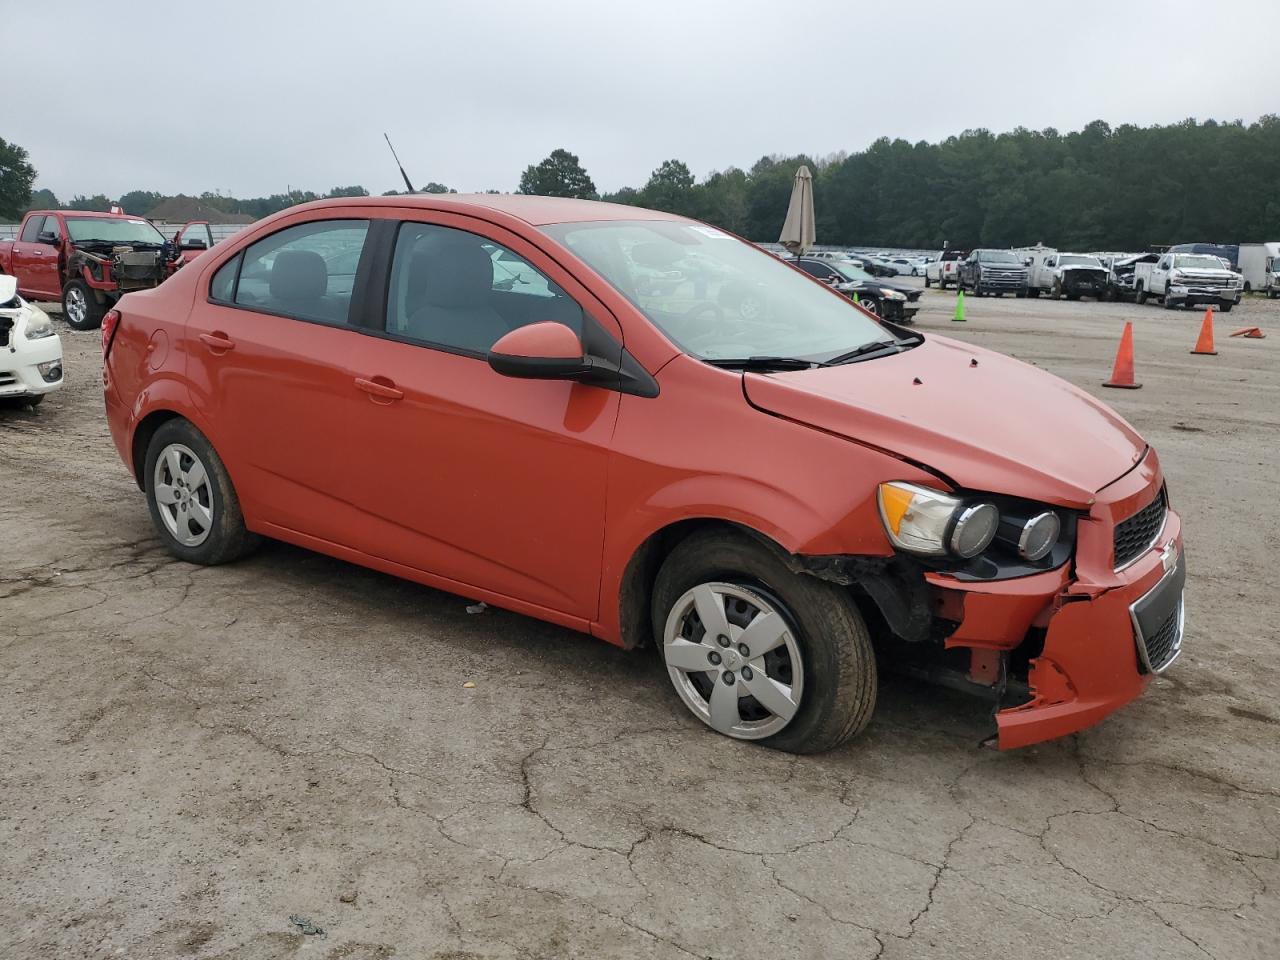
218 342
379 388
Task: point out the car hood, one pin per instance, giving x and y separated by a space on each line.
980 419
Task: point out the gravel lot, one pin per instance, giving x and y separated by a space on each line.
280 758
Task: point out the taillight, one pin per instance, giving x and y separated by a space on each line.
109 324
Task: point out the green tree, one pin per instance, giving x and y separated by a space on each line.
356 191
670 188
43 199
434 187
16 177
559 175
140 202
98 202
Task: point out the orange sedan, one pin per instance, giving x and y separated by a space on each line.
641 427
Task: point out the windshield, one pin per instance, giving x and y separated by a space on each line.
717 297
851 271
1194 262
111 230
1073 260
997 256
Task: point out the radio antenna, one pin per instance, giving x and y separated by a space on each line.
399 164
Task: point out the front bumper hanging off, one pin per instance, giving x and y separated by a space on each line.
1104 630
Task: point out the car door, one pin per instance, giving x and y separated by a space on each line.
35 258
478 478
1160 275
270 340
193 239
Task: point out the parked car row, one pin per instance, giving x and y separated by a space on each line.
898 303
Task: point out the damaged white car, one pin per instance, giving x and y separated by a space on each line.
30 350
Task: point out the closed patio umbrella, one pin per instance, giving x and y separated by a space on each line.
798 233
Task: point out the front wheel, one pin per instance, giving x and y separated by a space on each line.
1225 306
870 305
1170 303
758 652
193 505
80 307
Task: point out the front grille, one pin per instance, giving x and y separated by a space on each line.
7 379
1136 535
1161 647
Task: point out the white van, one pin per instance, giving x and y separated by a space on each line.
1260 264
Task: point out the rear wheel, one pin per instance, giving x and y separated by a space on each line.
758 652
927 282
80 307
193 505
1141 296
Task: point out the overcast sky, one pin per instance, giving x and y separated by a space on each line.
251 98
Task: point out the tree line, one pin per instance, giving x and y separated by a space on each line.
1122 188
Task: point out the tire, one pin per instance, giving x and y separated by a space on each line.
873 305
80 308
1170 303
1073 296
1225 306
1033 293
817 622
1141 297
202 523
927 282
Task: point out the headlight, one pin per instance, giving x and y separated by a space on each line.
38 324
892 294
1032 537
1175 275
933 524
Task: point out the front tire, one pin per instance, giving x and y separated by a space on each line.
80 307
193 504
758 652
1225 306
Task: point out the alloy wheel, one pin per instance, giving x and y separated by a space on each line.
76 306
180 485
731 653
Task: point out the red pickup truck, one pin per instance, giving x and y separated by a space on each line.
90 260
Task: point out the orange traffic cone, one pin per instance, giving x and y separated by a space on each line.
1205 344
1122 374
1250 333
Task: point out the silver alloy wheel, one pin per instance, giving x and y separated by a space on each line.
869 305
76 306
733 659
180 485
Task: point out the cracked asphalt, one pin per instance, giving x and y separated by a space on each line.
279 757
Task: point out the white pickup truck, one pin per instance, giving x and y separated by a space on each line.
1070 275
1188 279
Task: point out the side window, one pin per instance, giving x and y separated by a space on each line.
32 229
223 285
197 232
51 226
812 269
1164 264
1051 262
307 271
458 290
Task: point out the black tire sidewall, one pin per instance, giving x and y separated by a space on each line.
839 664
229 538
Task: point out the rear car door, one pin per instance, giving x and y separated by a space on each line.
269 341
478 478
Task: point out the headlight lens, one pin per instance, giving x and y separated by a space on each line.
933 524
891 294
38 324
1038 536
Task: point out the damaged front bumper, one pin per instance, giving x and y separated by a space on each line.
1103 631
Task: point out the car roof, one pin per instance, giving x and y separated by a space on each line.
537 211
94 214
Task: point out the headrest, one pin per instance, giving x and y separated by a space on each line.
453 272
299 275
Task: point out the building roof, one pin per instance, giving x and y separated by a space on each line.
181 209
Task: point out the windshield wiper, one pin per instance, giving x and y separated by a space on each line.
875 347
764 363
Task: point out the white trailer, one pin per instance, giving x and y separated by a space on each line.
1260 264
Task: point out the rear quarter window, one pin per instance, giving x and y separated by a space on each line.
223 285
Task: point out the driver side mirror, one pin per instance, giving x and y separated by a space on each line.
540 351
47 236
